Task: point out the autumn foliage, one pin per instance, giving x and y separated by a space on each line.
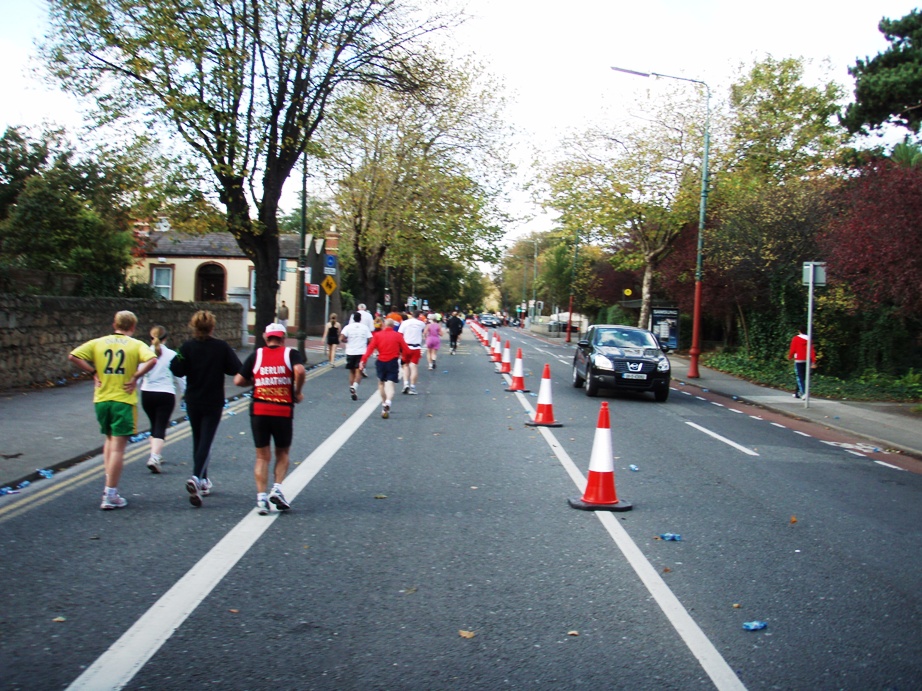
873 244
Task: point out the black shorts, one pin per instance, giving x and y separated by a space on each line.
352 361
388 370
267 428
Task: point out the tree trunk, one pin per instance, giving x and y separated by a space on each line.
646 297
262 249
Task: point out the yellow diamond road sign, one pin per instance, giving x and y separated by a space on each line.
329 285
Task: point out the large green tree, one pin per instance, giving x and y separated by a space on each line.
416 173
634 189
243 83
888 87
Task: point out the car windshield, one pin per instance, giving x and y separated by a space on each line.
617 338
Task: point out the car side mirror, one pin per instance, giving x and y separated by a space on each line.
665 348
583 343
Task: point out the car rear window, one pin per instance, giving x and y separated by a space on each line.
615 338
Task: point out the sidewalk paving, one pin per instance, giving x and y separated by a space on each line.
53 428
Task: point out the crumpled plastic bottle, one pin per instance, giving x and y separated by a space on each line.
671 537
633 467
23 484
755 625
5 490
45 472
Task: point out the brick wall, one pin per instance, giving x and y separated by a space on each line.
37 333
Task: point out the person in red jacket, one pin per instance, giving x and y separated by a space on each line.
798 353
391 347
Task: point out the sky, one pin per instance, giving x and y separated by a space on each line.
555 58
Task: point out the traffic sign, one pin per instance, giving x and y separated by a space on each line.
329 285
313 290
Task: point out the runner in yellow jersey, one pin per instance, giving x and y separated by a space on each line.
117 361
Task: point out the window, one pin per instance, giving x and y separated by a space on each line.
161 278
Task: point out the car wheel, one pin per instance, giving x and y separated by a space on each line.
661 395
591 387
577 380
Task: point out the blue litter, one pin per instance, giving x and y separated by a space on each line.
532 393
61 382
671 537
755 625
23 484
173 423
5 490
46 473
231 412
634 468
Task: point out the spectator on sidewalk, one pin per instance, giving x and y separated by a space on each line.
204 361
158 395
283 316
330 339
277 375
117 362
798 353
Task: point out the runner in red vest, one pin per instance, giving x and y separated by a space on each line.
277 375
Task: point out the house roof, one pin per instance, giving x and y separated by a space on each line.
173 244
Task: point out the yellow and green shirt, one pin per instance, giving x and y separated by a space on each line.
116 359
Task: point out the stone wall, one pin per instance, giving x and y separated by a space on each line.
37 333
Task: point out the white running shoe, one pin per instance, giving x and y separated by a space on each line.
262 507
114 502
277 498
153 464
195 492
205 487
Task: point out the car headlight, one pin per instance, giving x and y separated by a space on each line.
602 362
663 365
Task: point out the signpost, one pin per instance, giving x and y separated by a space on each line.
814 275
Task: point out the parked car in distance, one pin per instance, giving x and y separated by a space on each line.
489 321
623 358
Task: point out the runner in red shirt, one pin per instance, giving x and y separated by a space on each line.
391 347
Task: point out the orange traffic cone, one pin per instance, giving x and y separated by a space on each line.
497 353
600 492
544 414
518 377
506 364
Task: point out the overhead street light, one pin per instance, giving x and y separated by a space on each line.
696 314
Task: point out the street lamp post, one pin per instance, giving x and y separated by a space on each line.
696 313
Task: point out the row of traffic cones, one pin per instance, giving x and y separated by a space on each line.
600 493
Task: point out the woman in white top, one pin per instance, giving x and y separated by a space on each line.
158 395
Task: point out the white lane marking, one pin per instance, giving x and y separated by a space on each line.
708 656
124 658
856 453
734 410
701 398
890 465
803 434
720 405
778 424
723 439
756 417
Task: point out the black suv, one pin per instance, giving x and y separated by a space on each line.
624 358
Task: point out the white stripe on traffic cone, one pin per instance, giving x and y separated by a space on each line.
506 364
544 414
518 378
600 494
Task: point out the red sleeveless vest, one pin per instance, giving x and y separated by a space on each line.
273 383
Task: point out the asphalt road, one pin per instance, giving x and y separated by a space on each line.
436 550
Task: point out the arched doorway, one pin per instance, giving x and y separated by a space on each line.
210 283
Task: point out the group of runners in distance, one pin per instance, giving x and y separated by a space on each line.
122 365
